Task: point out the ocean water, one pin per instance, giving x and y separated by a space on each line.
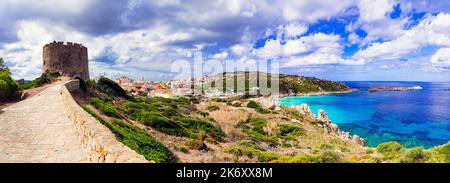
412 118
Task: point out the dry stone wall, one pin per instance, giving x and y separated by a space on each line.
100 144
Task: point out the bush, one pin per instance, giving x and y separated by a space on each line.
196 124
389 147
35 83
219 100
83 85
390 150
254 128
236 104
8 87
329 157
267 156
290 130
262 110
111 87
162 124
104 107
196 145
137 139
415 155
304 158
443 153
213 108
253 104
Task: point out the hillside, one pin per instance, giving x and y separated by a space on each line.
230 130
295 84
288 84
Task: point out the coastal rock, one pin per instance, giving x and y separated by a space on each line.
323 116
334 127
358 140
305 109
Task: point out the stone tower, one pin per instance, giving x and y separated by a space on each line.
70 59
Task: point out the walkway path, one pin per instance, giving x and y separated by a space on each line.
38 130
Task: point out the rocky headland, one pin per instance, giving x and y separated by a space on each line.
327 124
395 88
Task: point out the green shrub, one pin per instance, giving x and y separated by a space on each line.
267 156
262 110
111 87
104 107
219 100
389 147
415 155
137 139
253 104
442 153
304 158
233 150
236 104
290 130
254 128
196 124
8 86
54 74
196 144
213 108
82 83
390 150
329 157
369 151
35 83
162 124
184 149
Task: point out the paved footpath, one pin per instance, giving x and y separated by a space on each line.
38 130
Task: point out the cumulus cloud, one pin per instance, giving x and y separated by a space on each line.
434 30
441 57
144 37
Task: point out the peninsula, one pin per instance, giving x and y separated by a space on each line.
395 88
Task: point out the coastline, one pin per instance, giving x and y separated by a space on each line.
319 93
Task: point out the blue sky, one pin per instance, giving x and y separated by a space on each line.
337 40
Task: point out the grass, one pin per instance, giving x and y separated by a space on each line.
254 128
41 80
172 116
251 150
287 130
257 107
104 107
213 108
137 139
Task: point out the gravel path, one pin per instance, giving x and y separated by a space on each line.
39 130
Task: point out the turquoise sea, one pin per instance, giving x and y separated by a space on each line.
412 118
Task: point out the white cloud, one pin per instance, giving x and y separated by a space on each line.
274 48
310 10
434 30
373 10
220 56
293 29
441 57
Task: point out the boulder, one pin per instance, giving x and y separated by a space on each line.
323 116
358 140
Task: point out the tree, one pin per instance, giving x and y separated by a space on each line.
2 63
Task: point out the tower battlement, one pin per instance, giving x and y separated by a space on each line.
70 59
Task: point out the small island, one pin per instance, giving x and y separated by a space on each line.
395 88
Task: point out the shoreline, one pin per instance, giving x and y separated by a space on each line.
320 93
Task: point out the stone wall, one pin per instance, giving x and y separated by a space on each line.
99 142
69 59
